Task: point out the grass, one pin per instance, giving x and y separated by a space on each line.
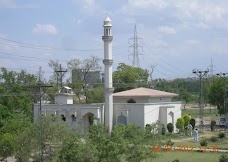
186 157
195 112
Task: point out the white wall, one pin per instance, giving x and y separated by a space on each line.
135 113
67 110
151 113
160 99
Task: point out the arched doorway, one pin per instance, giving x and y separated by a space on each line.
88 119
171 117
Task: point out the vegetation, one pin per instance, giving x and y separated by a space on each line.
170 127
128 77
192 122
223 158
180 124
213 123
203 142
221 135
186 119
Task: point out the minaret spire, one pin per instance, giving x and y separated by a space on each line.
107 38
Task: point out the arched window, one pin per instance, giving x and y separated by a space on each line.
122 119
131 101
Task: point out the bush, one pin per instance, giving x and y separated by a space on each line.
186 118
223 158
169 142
213 123
193 123
221 135
176 160
203 142
213 139
180 124
170 127
163 130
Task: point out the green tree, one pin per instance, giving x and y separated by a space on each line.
186 97
180 124
128 77
216 94
77 149
16 95
84 73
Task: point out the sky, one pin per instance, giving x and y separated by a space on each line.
177 35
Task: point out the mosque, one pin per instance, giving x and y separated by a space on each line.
139 106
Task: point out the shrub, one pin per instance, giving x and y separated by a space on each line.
163 130
169 142
203 142
213 139
221 135
186 118
223 158
213 123
170 127
193 123
176 160
180 124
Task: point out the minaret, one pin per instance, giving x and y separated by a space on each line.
107 38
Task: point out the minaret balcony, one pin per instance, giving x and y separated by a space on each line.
107 38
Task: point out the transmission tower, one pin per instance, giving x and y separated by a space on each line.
134 41
211 66
201 74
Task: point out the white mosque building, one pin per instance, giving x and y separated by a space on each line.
139 106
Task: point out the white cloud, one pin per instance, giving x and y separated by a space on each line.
45 29
86 4
13 4
147 3
204 10
167 30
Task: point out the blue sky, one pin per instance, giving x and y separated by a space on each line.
178 35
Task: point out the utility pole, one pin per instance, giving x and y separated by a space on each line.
135 45
201 74
42 145
224 76
61 72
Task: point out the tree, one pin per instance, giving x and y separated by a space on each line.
16 92
128 77
186 97
84 73
180 124
216 94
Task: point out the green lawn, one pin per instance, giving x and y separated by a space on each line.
187 157
195 112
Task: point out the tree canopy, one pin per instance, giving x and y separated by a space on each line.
128 77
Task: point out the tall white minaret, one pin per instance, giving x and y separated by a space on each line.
107 38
